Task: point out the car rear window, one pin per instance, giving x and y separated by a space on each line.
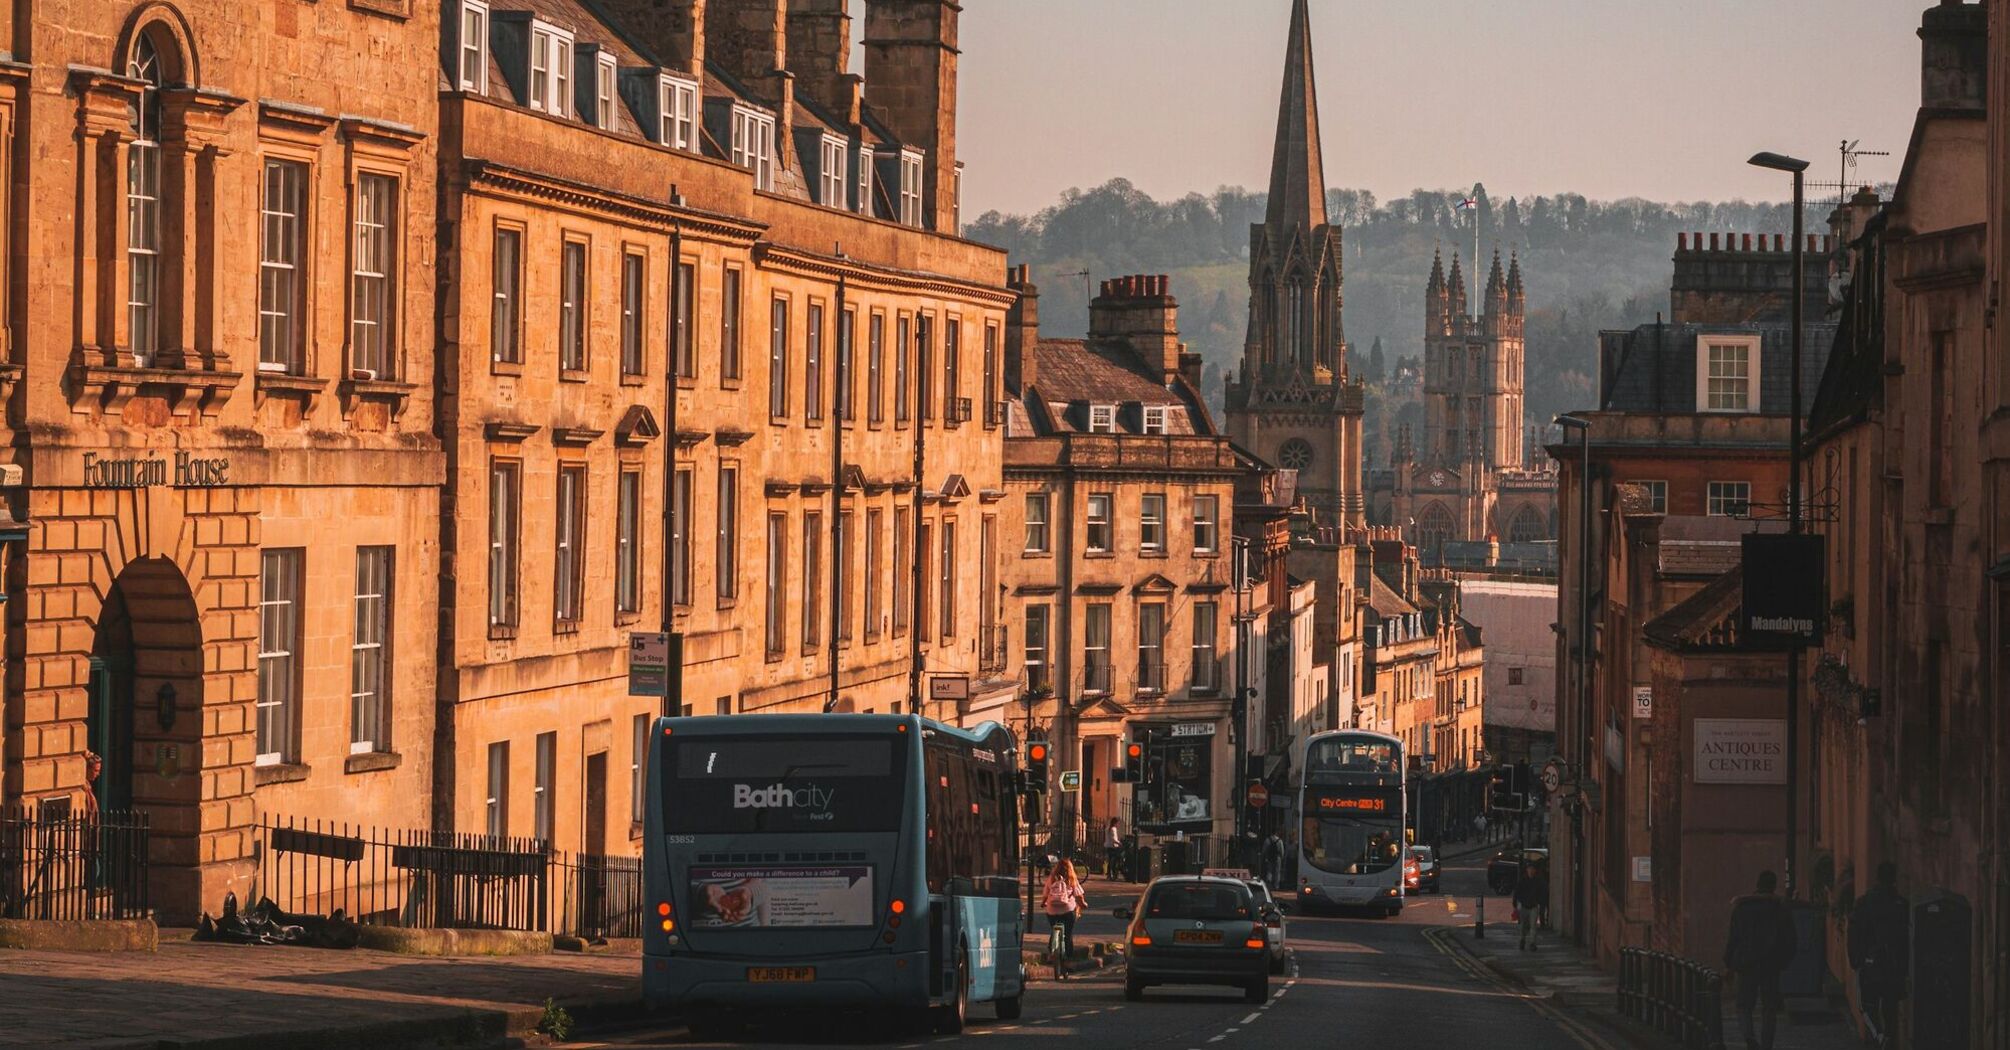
1197 900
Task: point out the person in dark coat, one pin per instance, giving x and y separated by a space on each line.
1531 898
1878 931
1760 945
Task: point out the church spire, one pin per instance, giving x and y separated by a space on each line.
1297 176
1497 292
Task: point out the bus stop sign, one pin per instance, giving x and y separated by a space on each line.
1259 796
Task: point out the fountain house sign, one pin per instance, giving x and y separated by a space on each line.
184 470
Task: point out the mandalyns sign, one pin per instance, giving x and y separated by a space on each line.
1741 751
1783 601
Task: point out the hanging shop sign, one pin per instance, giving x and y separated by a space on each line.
1783 602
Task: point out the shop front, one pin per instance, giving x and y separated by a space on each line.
1182 810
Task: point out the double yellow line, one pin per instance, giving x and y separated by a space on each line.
1442 938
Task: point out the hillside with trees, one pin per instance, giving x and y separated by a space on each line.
1588 265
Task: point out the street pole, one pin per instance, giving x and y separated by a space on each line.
673 678
1239 710
1797 168
840 416
1580 893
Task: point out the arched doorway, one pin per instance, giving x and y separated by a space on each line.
144 717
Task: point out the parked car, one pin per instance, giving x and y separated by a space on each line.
1504 869
1273 911
1427 870
1197 929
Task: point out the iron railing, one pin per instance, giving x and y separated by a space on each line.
392 877
73 868
600 897
1096 676
991 647
1151 675
1675 996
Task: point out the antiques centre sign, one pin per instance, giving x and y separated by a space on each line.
1741 751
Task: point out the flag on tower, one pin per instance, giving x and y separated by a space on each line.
1469 202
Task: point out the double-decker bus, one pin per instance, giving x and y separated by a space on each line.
831 861
1350 807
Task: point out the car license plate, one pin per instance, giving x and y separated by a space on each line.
1197 936
781 974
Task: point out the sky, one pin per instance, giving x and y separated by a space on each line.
1662 99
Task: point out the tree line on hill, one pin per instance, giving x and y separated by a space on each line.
1587 265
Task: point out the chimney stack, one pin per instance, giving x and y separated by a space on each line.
819 54
1022 329
672 30
1140 311
1954 56
910 81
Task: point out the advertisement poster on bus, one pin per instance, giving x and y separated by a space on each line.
769 897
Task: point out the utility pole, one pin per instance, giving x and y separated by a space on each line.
918 558
1583 737
840 417
673 679
1239 710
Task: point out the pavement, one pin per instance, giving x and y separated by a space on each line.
1350 980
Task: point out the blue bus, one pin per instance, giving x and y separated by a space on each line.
830 861
1350 809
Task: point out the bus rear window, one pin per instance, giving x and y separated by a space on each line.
750 785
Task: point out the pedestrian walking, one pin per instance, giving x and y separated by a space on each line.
1878 933
1531 898
1113 850
1480 827
1064 902
1758 948
1273 861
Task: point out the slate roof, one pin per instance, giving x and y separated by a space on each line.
1385 601
1854 378
1652 368
1705 620
1072 374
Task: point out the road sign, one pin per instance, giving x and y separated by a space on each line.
1259 796
648 663
1551 778
1071 780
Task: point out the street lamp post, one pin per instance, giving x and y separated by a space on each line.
1583 647
1797 168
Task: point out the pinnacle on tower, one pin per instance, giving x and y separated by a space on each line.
1497 294
1297 176
1517 297
1458 289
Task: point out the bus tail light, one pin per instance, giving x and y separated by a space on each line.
667 915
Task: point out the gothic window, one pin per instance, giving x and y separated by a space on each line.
143 205
1434 528
1528 526
1296 454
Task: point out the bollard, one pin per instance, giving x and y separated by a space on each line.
1480 918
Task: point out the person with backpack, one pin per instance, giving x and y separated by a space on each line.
1760 945
1879 927
1063 902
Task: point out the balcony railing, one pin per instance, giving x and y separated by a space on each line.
1206 674
1151 675
994 413
991 651
1039 678
1095 676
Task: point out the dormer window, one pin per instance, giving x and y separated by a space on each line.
754 145
550 69
1102 419
603 91
832 183
864 181
474 46
1727 373
910 188
678 103
1155 419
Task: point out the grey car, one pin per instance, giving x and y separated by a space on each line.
1196 929
1272 911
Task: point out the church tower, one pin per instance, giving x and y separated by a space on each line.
1473 370
1293 401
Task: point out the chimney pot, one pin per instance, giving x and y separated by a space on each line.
1713 242
1779 242
1681 242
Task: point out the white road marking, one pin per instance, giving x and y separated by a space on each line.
1232 1031
1219 1038
1250 1019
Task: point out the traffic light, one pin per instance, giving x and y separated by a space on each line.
1501 790
1036 766
1134 761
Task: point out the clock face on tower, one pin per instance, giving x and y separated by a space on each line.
1437 477
1296 454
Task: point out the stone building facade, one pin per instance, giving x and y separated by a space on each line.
218 370
718 200
1120 492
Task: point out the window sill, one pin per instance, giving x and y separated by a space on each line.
388 392
726 601
623 619
778 421
631 379
502 632
1151 552
729 382
372 762
282 773
814 422
573 375
775 658
687 382
505 368
1206 552
565 627
1099 554
1040 554
305 389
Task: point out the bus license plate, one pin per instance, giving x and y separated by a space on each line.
1197 936
781 974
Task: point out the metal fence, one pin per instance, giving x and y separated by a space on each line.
1677 997
86 867
393 877
427 879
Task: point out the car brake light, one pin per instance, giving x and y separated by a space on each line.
1254 942
1141 939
